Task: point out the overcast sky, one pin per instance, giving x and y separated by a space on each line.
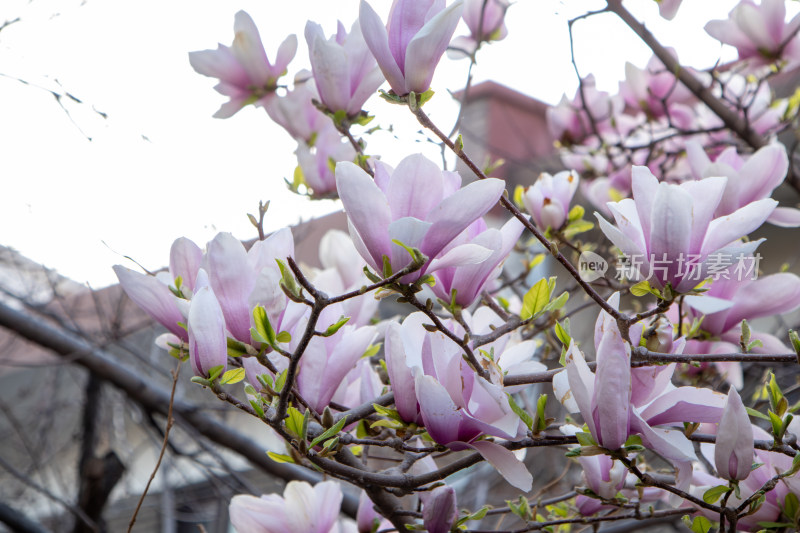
159 167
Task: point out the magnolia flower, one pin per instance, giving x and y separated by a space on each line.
367 517
486 22
653 89
617 401
208 345
327 360
418 205
296 113
668 8
344 70
154 297
302 509
769 463
343 271
317 162
439 511
604 476
548 199
733 452
748 180
668 231
244 71
185 258
455 406
243 279
569 122
469 280
760 33
411 44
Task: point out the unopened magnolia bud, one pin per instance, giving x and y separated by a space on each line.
327 417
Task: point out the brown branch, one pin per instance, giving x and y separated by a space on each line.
170 421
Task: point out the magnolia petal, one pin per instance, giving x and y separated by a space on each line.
367 211
207 340
506 463
153 297
726 229
440 414
426 48
785 217
684 404
733 452
377 39
458 211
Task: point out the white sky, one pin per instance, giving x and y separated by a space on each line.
160 167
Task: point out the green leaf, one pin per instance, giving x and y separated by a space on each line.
424 97
280 381
558 303
541 419
294 422
753 412
371 350
577 227
333 328
288 281
562 332
387 412
519 193
791 506
535 299
585 439
235 375
525 417
214 372
236 348
330 432
700 524
280 458
262 325
641 288
576 213
387 267
284 337
715 493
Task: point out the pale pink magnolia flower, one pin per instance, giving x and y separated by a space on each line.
770 464
616 401
208 346
668 8
245 73
548 199
733 452
343 271
411 44
654 88
345 71
154 297
455 406
759 32
469 280
486 22
418 205
589 112
318 162
296 113
749 179
439 511
604 476
302 509
327 360
669 230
